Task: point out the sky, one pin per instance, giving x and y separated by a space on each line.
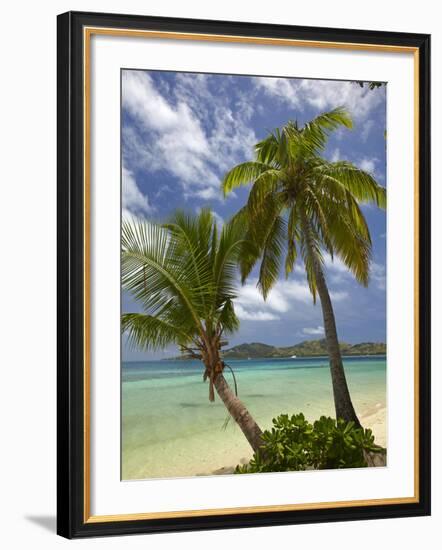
181 132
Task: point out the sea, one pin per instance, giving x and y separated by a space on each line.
170 429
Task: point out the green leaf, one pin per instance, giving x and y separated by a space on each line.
289 178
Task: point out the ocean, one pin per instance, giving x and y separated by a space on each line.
170 429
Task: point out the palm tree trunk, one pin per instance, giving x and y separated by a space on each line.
239 413
343 404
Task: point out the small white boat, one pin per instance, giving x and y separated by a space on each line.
293 357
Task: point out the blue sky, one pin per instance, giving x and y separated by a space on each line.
181 132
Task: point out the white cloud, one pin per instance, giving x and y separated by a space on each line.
338 295
372 166
323 94
285 297
179 144
368 165
336 155
284 89
184 130
251 306
378 276
314 331
207 193
336 265
297 290
336 270
245 315
190 131
133 200
339 272
366 129
127 215
250 298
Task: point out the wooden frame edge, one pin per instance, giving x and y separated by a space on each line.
87 517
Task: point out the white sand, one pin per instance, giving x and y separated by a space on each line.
376 420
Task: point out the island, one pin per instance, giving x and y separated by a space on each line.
307 348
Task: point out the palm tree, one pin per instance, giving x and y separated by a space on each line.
301 203
183 273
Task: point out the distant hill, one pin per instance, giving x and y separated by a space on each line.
308 348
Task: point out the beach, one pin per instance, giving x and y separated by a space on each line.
170 429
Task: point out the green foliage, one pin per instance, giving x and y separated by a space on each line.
295 444
371 85
302 205
184 274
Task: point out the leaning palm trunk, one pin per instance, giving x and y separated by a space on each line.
343 404
184 274
239 413
237 410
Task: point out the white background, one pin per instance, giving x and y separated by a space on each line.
27 399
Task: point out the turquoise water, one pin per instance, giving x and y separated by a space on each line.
170 429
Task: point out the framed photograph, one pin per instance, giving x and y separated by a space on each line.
243 274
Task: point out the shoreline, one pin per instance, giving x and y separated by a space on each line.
318 356
170 430
374 418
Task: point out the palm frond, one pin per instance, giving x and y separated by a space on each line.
249 251
192 238
317 131
289 174
312 138
272 250
350 244
310 244
359 183
184 275
227 317
265 184
243 174
267 149
155 273
149 332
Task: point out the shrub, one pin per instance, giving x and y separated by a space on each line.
295 444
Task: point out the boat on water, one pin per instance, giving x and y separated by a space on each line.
293 357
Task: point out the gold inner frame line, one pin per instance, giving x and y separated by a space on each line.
134 33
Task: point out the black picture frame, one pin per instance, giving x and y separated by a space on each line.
72 522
